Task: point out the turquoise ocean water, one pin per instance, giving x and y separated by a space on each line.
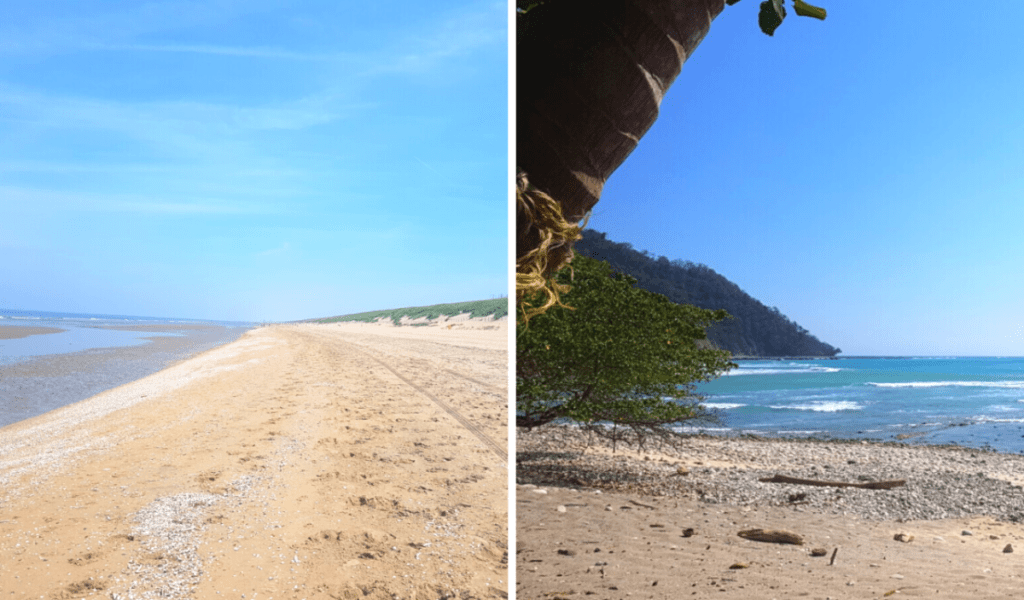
971 401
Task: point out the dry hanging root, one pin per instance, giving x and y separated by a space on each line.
545 239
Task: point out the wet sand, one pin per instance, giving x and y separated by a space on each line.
16 332
301 461
38 384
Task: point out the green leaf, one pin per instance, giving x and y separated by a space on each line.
771 16
806 10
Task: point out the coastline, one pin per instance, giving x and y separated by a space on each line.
630 511
300 461
36 384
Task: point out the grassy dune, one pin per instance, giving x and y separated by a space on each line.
480 308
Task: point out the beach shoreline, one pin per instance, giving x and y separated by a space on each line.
300 461
17 332
52 376
611 525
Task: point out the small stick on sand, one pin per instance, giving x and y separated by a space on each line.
870 485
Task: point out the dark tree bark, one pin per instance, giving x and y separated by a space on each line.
590 80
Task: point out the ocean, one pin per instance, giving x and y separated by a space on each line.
71 356
970 401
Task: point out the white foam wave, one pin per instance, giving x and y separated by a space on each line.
783 370
692 429
723 405
936 384
830 406
987 419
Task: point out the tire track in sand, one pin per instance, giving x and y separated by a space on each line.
483 437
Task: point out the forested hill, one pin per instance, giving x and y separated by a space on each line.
754 330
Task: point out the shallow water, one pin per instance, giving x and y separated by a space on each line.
92 353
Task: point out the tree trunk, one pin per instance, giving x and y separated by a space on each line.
590 78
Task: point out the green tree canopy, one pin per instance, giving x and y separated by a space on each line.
619 360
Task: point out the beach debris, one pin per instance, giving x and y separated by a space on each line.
889 593
688 532
774 536
561 508
539 491
681 470
798 498
739 566
819 552
870 485
657 525
643 505
566 552
1008 549
966 532
832 560
608 507
903 537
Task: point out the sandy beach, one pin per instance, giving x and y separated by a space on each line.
16 332
300 461
664 523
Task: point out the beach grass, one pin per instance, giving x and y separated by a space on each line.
496 308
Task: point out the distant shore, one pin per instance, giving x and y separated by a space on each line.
612 524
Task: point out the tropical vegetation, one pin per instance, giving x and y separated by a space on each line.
619 361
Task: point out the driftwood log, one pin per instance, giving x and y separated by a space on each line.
772 535
870 485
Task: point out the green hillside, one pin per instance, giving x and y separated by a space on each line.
498 308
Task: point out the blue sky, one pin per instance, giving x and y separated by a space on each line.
252 160
865 174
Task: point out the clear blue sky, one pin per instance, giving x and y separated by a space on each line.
252 160
865 174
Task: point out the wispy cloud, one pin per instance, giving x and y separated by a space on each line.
191 128
238 51
278 250
44 199
457 35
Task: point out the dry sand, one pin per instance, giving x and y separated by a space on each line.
301 461
577 543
